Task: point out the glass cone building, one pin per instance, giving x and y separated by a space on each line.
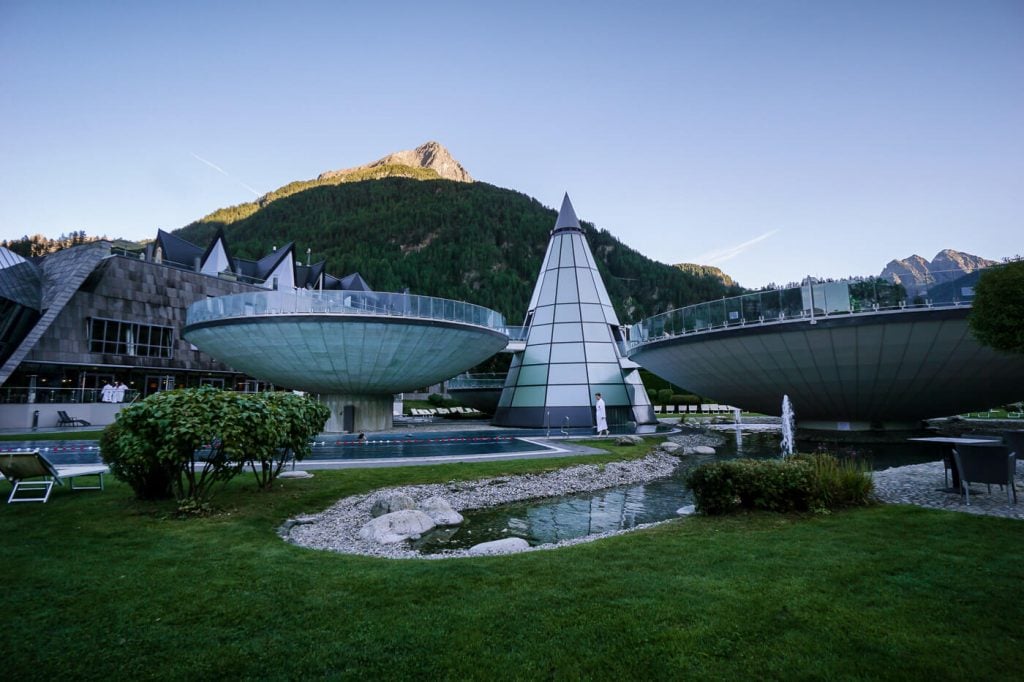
573 346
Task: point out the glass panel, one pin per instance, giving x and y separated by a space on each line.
506 397
579 248
567 332
513 375
613 394
547 291
529 396
552 261
567 292
568 396
536 354
540 333
575 373
592 312
544 315
566 261
588 292
601 352
567 313
567 352
604 373
595 331
533 375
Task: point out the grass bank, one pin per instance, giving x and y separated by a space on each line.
101 586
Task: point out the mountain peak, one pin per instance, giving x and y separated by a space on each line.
918 274
429 155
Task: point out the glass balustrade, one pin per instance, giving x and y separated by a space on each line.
819 299
361 303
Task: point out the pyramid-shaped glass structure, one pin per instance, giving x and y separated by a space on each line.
572 347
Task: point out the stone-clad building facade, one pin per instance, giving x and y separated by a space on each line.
90 315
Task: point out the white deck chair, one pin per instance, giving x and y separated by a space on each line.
30 471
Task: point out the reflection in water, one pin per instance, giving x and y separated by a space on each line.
553 519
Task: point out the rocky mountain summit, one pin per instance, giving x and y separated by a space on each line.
431 155
918 275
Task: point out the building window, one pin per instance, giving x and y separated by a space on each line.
115 337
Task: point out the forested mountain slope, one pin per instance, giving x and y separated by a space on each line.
468 241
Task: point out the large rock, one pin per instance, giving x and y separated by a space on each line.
503 546
629 440
392 503
671 448
438 509
396 526
703 450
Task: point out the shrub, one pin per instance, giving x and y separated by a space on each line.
838 483
199 438
292 420
436 399
664 396
806 482
136 463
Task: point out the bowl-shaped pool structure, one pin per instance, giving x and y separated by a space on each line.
845 359
352 348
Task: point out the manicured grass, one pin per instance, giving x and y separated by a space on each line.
98 585
52 435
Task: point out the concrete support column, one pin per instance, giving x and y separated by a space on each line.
372 412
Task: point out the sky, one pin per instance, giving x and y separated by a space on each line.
773 139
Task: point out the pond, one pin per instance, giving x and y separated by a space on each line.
552 520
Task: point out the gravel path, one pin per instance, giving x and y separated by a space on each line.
922 484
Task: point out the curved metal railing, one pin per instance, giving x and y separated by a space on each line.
807 302
303 301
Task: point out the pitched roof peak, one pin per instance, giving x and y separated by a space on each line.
567 219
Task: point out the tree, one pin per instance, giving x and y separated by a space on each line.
997 313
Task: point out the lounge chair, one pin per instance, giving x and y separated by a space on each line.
985 464
30 471
64 420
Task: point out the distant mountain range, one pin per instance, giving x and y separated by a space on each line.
918 275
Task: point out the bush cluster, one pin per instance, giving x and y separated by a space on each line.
818 482
183 443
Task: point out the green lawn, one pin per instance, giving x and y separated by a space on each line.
97 585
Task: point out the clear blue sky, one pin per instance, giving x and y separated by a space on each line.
775 139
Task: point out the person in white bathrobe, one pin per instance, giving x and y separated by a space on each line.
602 416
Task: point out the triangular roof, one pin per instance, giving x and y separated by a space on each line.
567 219
265 266
354 282
21 281
176 249
219 237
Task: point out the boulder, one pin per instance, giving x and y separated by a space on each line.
703 450
671 448
396 526
298 473
503 546
629 440
438 509
687 510
391 503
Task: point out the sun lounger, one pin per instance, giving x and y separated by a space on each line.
30 471
64 420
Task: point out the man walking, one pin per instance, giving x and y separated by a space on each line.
601 415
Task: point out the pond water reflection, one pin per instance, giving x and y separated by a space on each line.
561 518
